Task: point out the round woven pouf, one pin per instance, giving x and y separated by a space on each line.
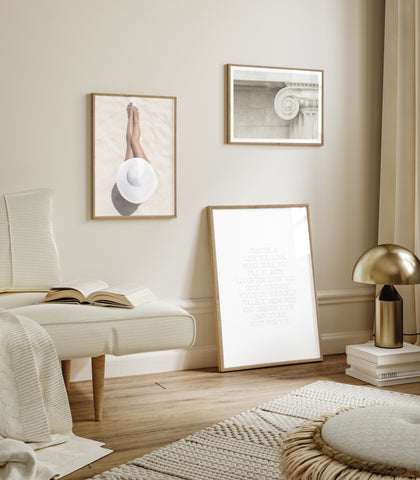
378 442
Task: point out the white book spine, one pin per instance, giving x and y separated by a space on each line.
381 382
414 373
376 370
385 356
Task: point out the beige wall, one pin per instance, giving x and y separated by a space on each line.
55 53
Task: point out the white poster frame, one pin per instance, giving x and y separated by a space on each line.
264 286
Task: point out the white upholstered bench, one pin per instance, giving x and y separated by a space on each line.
29 266
86 331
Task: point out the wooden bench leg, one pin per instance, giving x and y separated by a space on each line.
66 369
98 377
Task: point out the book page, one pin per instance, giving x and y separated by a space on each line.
128 294
140 296
85 287
126 288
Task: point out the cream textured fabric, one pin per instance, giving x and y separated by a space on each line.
34 408
380 434
18 462
5 253
399 213
19 299
80 331
29 256
33 399
246 447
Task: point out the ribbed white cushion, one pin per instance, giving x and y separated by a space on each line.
80 331
5 253
28 252
379 434
19 299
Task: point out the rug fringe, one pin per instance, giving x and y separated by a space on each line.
302 459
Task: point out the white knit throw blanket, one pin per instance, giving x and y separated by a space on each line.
34 409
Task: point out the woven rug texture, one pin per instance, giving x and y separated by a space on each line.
246 447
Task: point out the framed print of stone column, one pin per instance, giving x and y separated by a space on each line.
271 105
264 286
133 156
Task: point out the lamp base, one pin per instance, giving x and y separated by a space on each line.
389 318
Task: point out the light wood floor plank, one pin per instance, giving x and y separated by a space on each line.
142 413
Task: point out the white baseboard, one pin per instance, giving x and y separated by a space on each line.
150 362
345 296
332 343
205 356
192 359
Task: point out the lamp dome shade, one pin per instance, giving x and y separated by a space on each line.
387 264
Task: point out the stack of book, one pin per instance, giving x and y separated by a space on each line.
384 366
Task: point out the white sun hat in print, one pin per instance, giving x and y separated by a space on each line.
136 180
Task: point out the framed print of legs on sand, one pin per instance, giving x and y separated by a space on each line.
133 156
274 106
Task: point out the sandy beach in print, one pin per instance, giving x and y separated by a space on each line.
157 125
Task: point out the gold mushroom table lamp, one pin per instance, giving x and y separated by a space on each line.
388 265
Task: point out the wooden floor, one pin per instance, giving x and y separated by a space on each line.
145 412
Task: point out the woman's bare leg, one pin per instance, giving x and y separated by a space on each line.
129 152
135 138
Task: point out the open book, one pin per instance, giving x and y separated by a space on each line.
97 292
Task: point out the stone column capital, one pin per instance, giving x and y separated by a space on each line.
290 99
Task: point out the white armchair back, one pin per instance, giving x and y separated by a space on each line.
29 259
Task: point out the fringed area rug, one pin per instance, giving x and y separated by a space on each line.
247 446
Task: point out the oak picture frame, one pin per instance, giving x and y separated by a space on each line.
264 286
155 120
274 106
